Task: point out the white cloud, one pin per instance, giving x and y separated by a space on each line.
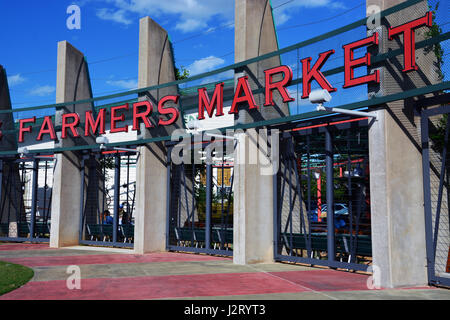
338 5
309 4
124 84
204 65
116 16
42 91
284 12
218 77
281 18
194 15
15 80
191 14
190 25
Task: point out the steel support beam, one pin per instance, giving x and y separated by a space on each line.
83 163
116 196
208 201
330 194
168 197
34 188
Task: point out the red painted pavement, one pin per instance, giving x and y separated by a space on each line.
326 280
43 261
24 246
175 286
154 287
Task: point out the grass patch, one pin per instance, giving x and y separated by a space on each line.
13 276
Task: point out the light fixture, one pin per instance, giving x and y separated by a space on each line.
321 96
316 174
193 125
102 141
23 151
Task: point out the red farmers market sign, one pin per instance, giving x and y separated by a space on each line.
243 95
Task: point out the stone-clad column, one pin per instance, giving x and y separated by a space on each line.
8 141
156 66
253 187
72 84
396 186
255 35
10 170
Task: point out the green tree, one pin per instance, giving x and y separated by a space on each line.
181 73
438 135
436 31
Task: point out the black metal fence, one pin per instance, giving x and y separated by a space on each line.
322 214
435 126
26 196
108 198
200 214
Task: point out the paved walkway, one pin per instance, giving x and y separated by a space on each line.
120 274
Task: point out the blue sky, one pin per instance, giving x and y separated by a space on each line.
202 33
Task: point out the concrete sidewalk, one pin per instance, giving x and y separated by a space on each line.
120 274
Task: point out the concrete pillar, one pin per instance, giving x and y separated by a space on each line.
253 200
396 186
8 141
156 66
72 84
255 35
10 170
253 187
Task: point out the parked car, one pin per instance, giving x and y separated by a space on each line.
339 209
340 214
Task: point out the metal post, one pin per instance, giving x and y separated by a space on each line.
208 200
99 188
104 194
82 199
275 214
22 193
169 167
1 190
353 237
116 196
222 196
319 197
290 197
45 218
128 188
427 198
441 186
34 188
309 213
330 194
